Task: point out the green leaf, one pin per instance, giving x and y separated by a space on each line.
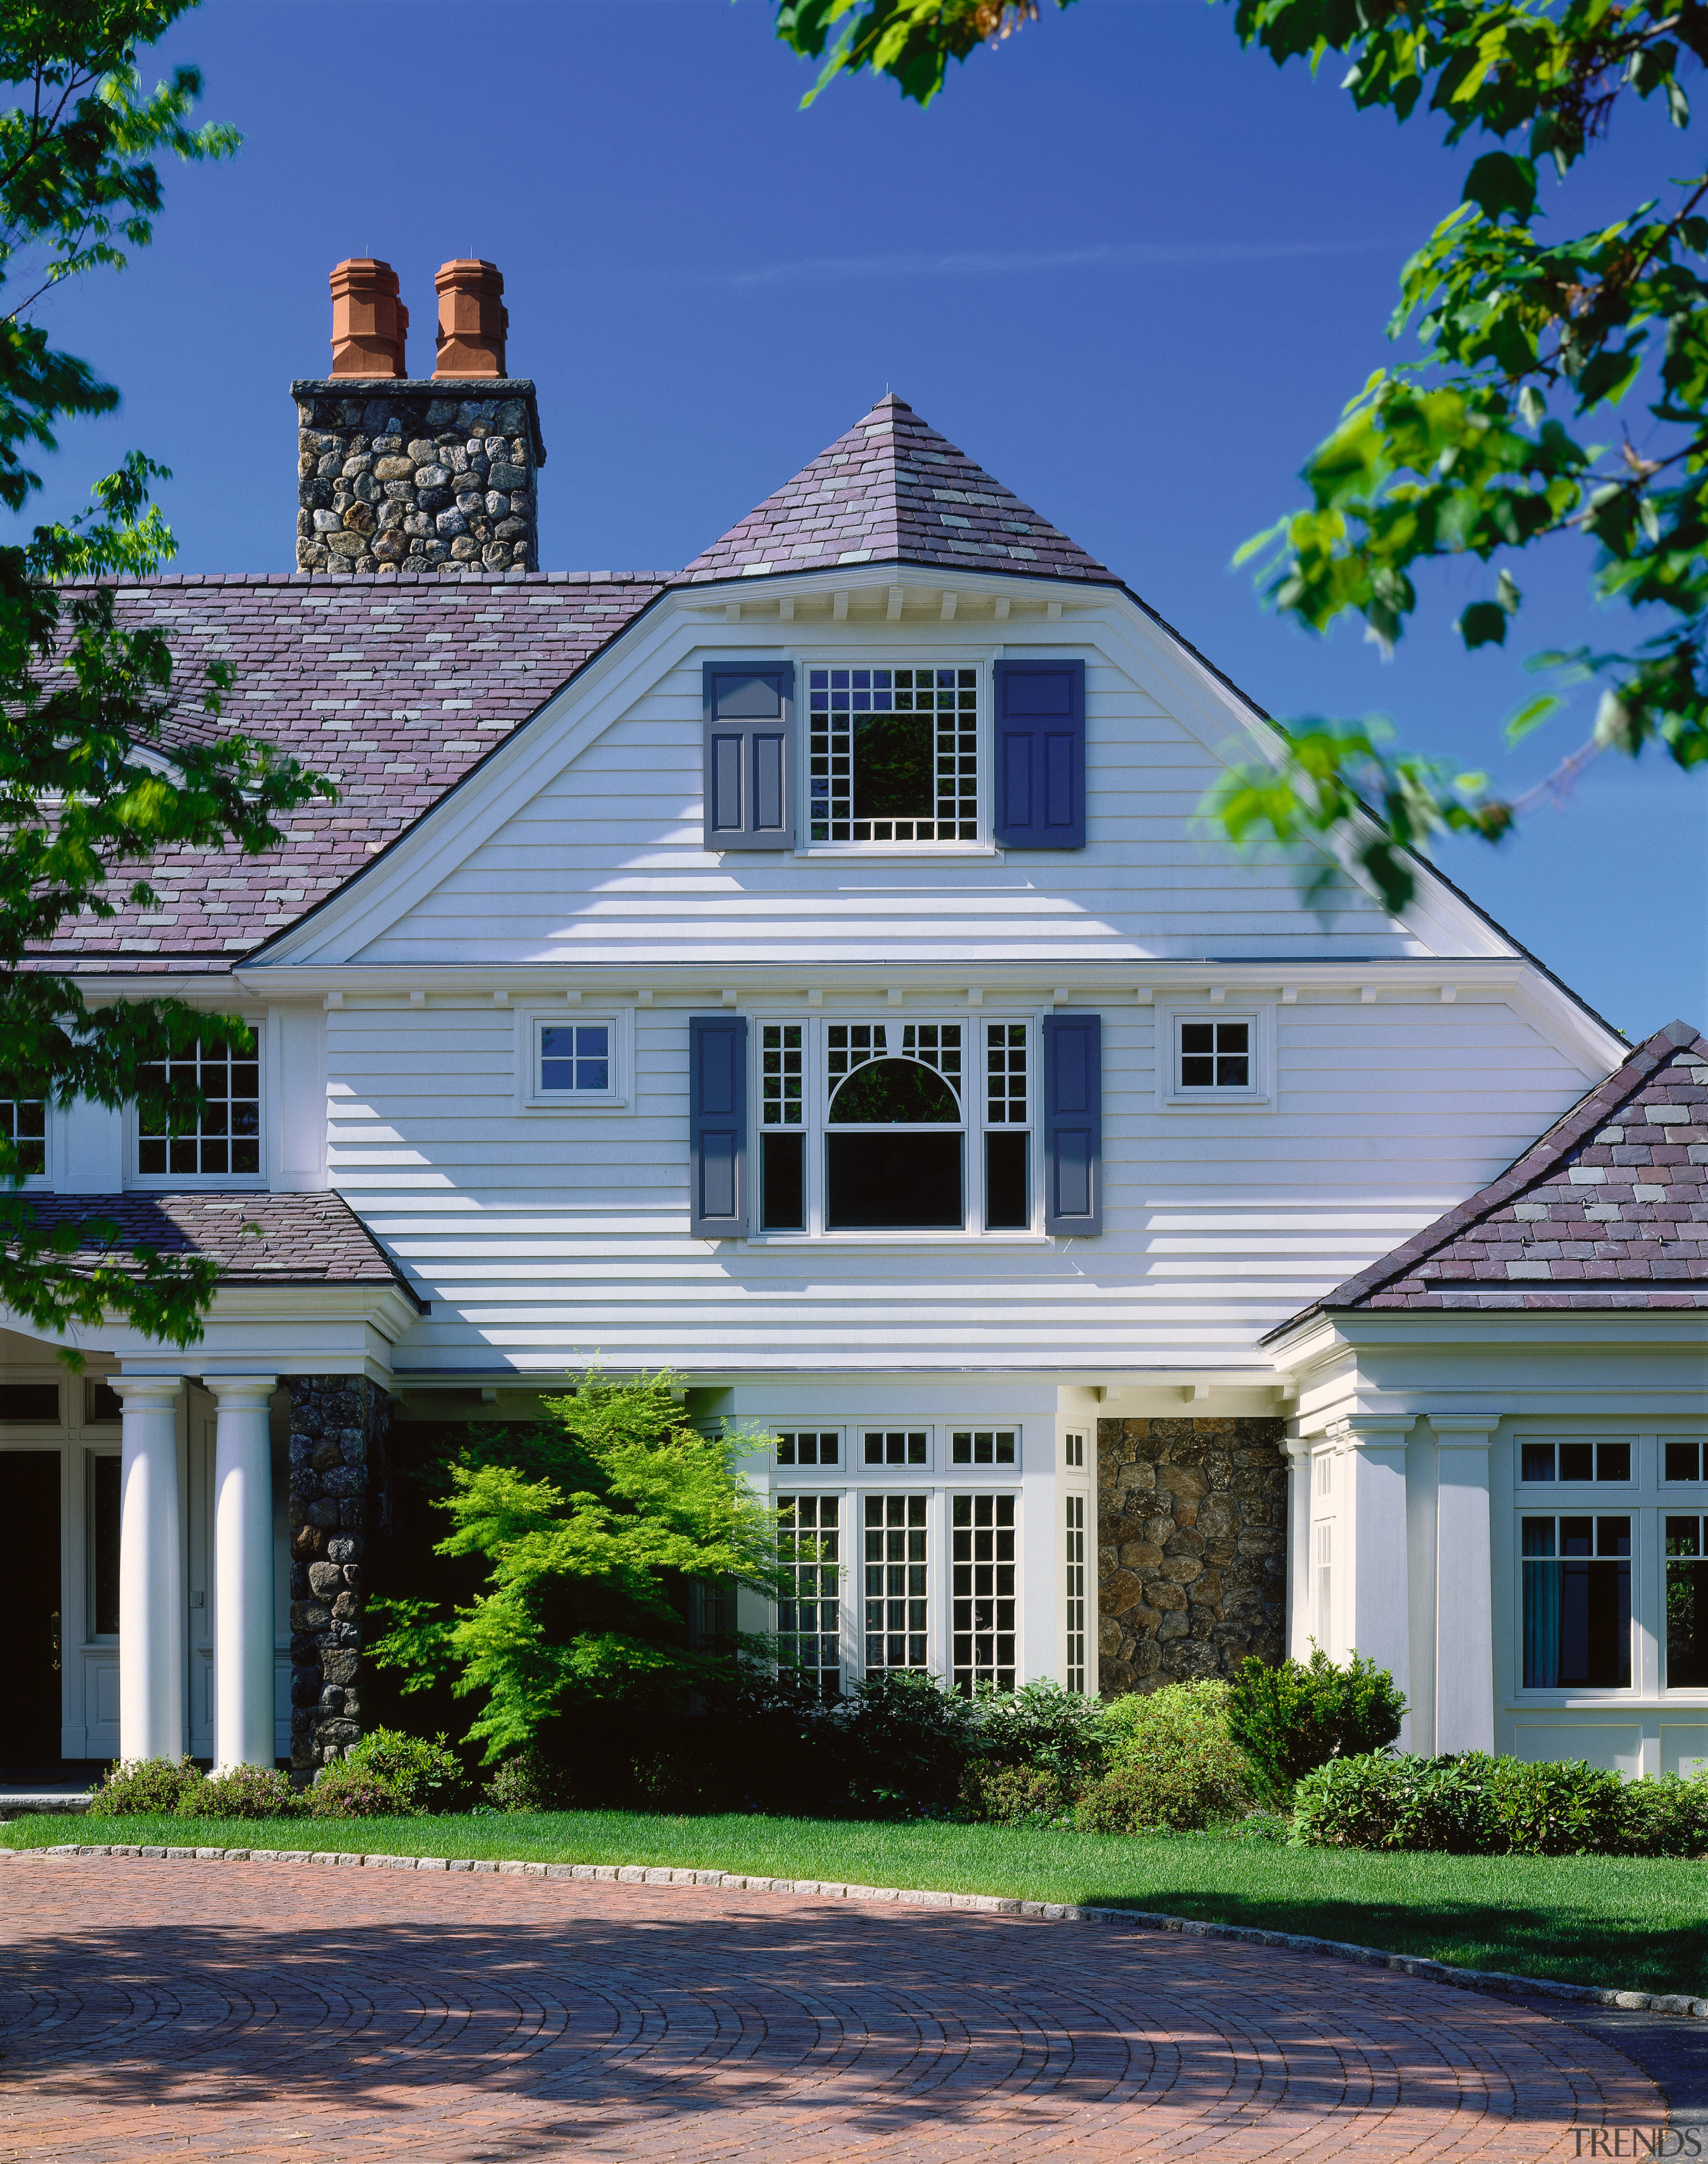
1483 623
1501 185
1531 716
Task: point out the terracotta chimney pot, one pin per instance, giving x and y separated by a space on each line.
369 322
472 318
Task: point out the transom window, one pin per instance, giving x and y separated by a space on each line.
982 1590
24 1124
982 1445
1075 1583
575 1056
809 1616
1687 1603
224 1138
894 754
1216 1055
804 1448
1574 1461
1577 1602
896 1568
1683 1460
896 1446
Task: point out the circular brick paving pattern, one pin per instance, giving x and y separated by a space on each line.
272 2010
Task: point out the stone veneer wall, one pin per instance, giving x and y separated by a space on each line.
1191 1548
418 476
340 1503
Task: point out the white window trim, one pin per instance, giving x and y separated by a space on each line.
888 1479
953 1472
1260 1097
975 1124
533 1017
1642 1623
897 654
190 1183
779 1475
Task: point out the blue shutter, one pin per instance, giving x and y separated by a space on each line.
750 786
1041 754
718 1125
1073 1123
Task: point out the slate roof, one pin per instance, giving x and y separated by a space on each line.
256 1238
891 488
395 687
1608 1209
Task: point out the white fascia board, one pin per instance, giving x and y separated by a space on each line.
575 716
1315 1337
299 1329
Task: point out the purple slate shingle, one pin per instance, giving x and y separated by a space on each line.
394 686
892 488
1608 1209
256 1238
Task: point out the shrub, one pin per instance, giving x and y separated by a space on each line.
344 1790
1664 1817
144 1787
910 1741
1556 1810
1380 1800
1174 1762
427 1776
1014 1795
1302 1714
243 1792
1042 1724
524 1783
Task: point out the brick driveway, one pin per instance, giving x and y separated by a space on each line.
273 2010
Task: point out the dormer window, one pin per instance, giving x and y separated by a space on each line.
224 1140
24 1124
894 754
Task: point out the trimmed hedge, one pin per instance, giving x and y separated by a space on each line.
1472 1804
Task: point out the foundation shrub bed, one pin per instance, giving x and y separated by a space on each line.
146 1787
1472 1804
1298 1714
1173 1763
242 1792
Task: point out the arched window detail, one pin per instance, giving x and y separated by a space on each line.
894 1093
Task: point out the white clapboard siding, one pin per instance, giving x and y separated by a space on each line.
546 1239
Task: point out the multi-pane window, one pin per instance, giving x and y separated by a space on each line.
1577 1602
809 1555
1216 1055
981 1446
896 1446
896 1566
1574 1461
782 1143
894 754
575 1056
24 1124
982 1589
894 1143
806 1447
1683 1460
1075 1583
1323 1562
1687 1603
1007 1163
225 1137
1073 1450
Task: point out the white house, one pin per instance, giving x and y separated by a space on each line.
807 971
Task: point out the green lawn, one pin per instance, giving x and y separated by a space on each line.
1637 1924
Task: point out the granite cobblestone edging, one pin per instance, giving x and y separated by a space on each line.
1191 1927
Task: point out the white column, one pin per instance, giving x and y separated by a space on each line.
1464 1597
1379 1616
152 1597
1299 1626
242 1571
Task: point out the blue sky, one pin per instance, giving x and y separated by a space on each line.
1132 269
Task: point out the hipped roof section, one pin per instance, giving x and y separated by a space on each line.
1609 1209
891 488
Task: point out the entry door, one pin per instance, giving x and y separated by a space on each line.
30 1665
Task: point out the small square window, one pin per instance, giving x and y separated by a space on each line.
1216 1055
895 1447
808 1447
1574 1461
1683 1461
982 1445
575 1056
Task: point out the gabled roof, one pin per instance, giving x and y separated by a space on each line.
256 1238
1608 1209
395 687
892 488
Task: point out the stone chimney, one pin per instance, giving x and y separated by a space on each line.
369 322
398 473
